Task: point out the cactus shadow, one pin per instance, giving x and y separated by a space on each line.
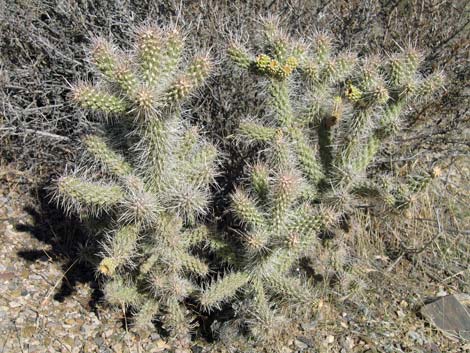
67 238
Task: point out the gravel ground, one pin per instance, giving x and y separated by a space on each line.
47 305
31 320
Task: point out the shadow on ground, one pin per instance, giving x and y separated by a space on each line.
69 242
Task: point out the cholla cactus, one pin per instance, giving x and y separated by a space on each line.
328 114
278 230
156 188
348 108
148 177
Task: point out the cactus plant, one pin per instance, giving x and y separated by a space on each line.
145 180
327 116
147 176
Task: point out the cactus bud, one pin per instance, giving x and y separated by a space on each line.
262 62
336 112
256 241
146 314
179 89
345 63
299 51
287 69
197 72
194 265
126 78
139 206
273 67
118 292
173 50
403 67
412 59
188 202
306 222
353 93
369 72
120 247
107 266
286 189
381 95
253 132
145 100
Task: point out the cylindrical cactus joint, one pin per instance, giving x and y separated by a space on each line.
89 97
104 56
239 55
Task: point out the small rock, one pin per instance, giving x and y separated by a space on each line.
6 276
99 341
161 345
432 348
35 277
14 304
309 326
448 315
117 347
68 341
348 344
300 345
108 333
155 336
442 293
308 341
415 337
400 313
28 331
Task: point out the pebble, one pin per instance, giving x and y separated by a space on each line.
14 304
99 341
300 345
415 337
347 344
309 325
108 333
308 341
